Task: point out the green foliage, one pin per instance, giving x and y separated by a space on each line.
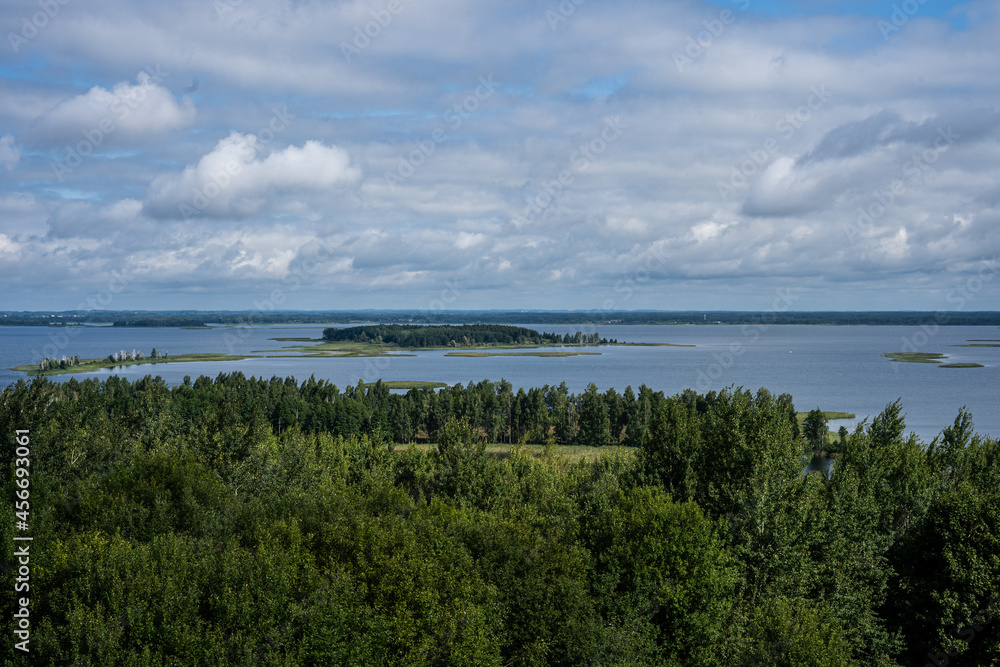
795 634
660 565
948 569
595 423
245 521
466 335
461 462
815 428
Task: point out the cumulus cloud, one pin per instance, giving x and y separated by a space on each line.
126 113
10 154
235 181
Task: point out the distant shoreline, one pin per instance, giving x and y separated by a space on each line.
215 318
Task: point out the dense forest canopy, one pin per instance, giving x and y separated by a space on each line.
243 521
465 335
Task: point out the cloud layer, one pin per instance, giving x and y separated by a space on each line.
517 155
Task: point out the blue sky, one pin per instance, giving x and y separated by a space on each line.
246 154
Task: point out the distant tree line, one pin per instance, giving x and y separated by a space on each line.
161 321
538 415
213 523
563 318
466 335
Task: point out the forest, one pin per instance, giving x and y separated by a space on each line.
243 521
465 335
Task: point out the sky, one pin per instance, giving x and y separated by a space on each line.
459 155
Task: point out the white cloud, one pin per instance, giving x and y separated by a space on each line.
466 240
896 247
234 181
123 211
126 113
781 190
8 246
706 230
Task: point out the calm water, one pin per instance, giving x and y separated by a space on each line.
835 368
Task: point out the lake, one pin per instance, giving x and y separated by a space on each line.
832 367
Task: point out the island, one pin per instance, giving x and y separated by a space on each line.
465 335
369 340
74 364
930 358
374 340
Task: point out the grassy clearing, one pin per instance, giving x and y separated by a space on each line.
568 453
961 365
412 384
91 365
520 354
916 357
801 416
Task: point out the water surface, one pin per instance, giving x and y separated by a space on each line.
832 367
